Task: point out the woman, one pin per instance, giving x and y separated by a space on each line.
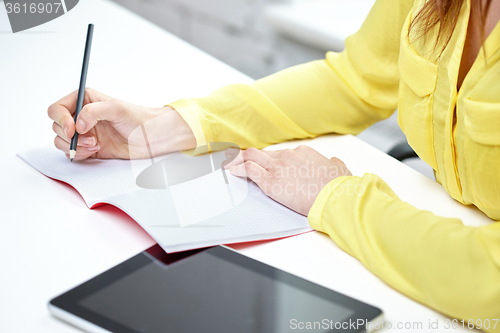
424 57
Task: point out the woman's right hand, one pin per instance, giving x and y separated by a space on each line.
105 126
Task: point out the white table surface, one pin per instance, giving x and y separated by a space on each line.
49 240
323 24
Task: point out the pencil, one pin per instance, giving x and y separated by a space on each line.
81 89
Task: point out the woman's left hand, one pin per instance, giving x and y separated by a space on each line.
292 177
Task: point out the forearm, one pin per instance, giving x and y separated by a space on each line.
239 114
298 103
164 131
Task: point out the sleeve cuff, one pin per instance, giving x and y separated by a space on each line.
316 210
196 120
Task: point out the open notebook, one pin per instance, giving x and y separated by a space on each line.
212 209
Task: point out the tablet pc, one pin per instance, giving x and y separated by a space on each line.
210 290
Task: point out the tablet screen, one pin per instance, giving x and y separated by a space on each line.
216 290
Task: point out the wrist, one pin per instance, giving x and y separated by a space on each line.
167 132
180 136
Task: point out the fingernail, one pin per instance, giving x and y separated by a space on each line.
81 125
89 140
66 132
95 148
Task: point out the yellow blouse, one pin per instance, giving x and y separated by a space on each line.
437 261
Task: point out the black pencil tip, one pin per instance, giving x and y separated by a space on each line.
71 159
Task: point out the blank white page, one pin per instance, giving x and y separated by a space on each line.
170 215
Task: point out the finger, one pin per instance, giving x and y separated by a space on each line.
63 110
233 158
90 96
258 156
232 154
250 170
343 167
92 113
253 155
88 140
62 116
272 153
303 149
82 151
337 160
286 154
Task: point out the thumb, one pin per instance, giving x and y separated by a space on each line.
338 160
92 113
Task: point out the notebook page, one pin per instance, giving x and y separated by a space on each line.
96 180
232 212
256 218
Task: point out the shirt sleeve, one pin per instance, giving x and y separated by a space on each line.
344 93
450 267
